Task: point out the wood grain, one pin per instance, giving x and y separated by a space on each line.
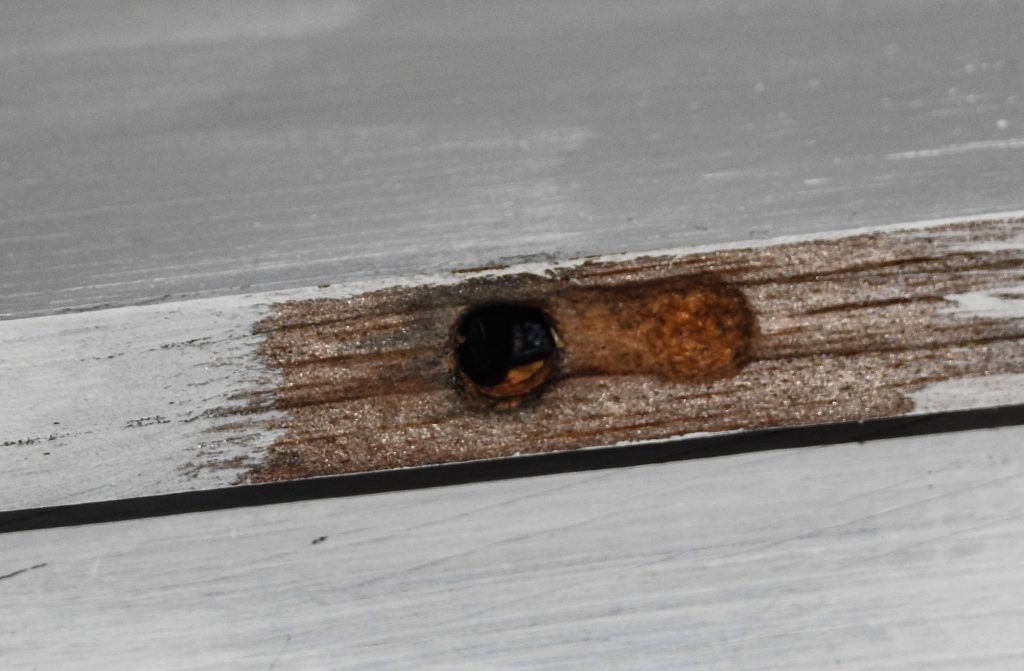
165 151
837 330
888 554
183 149
210 393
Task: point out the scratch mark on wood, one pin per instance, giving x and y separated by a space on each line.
24 570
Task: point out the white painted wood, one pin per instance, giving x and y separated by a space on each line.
897 554
108 404
115 403
172 150
175 149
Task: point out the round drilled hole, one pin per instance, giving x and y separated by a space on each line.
505 351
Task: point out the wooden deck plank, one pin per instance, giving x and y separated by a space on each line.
206 148
174 150
210 393
889 554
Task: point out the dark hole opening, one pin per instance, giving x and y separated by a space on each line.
496 339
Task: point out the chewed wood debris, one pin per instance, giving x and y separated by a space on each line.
804 333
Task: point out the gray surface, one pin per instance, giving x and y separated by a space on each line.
901 554
198 148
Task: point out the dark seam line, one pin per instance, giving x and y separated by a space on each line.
446 475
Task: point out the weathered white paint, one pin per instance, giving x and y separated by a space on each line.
991 391
901 554
108 404
179 149
111 404
138 165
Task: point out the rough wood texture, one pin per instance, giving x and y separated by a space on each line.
183 396
169 149
844 329
891 554
107 404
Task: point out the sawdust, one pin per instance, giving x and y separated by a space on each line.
792 334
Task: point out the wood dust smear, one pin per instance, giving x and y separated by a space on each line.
792 334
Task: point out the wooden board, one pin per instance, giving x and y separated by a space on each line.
889 554
181 149
270 387
173 150
647 348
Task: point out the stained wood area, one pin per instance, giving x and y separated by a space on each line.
790 334
164 165
216 392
